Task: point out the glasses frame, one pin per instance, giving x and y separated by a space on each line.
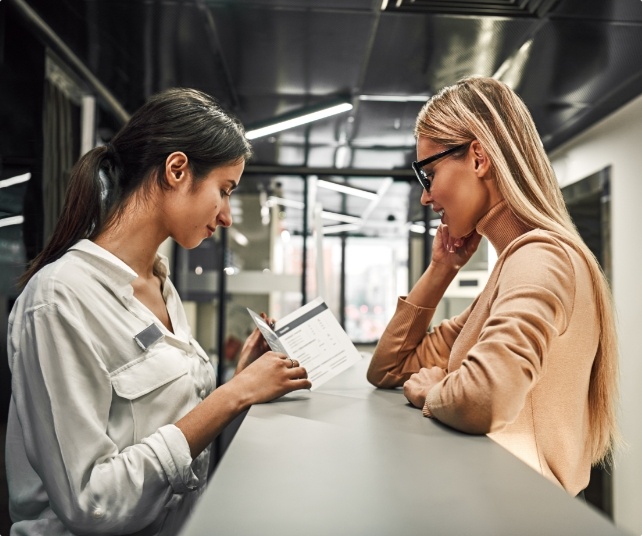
418 166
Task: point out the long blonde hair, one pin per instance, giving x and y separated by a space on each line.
484 109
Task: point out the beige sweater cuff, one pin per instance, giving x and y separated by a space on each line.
426 410
433 400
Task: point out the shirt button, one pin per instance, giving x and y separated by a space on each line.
97 513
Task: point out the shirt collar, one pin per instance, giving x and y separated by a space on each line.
120 273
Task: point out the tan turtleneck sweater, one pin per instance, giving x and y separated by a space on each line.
518 360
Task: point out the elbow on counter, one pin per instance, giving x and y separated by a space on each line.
374 376
93 522
88 515
380 377
475 418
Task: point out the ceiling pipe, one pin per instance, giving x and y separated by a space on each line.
52 40
337 172
215 45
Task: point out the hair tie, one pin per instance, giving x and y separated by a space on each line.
113 155
110 176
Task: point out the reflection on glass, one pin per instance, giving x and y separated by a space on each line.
376 274
266 247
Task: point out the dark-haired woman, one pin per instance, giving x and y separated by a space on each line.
113 402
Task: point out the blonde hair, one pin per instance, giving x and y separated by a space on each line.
484 109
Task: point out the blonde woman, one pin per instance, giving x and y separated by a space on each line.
533 361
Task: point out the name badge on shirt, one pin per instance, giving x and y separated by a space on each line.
150 335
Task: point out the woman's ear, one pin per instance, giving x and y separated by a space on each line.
480 159
177 169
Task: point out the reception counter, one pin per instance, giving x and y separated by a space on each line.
349 459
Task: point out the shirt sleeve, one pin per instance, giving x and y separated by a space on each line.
63 394
405 346
534 299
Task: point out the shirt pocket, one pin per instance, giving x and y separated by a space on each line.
150 393
143 377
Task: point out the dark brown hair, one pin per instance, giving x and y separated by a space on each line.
105 178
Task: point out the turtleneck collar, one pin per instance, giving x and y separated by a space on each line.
500 226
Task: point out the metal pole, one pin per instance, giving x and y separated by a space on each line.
337 172
222 291
342 283
218 447
304 270
52 40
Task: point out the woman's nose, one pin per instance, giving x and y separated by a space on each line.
426 198
225 217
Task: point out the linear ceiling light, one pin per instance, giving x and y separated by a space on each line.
295 119
291 203
394 98
12 220
239 237
15 180
341 228
350 190
512 70
335 216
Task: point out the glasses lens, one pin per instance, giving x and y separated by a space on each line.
421 177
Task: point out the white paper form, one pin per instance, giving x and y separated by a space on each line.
313 336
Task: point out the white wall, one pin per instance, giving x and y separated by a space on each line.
617 141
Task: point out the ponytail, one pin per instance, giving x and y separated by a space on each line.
83 213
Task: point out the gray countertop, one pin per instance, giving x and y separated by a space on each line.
349 459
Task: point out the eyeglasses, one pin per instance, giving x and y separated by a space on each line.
419 166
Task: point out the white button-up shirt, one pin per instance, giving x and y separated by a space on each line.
91 444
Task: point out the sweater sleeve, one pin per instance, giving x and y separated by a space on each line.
405 347
63 393
533 301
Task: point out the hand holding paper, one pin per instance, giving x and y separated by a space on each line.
312 336
254 347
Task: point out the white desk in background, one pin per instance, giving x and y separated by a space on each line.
349 459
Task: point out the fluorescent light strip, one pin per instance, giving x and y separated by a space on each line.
511 70
350 190
298 121
394 98
334 216
273 200
239 237
15 180
341 228
12 220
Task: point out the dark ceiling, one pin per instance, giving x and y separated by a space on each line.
572 61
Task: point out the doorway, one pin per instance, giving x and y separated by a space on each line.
589 203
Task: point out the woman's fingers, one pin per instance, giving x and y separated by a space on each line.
291 363
269 321
301 383
296 371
